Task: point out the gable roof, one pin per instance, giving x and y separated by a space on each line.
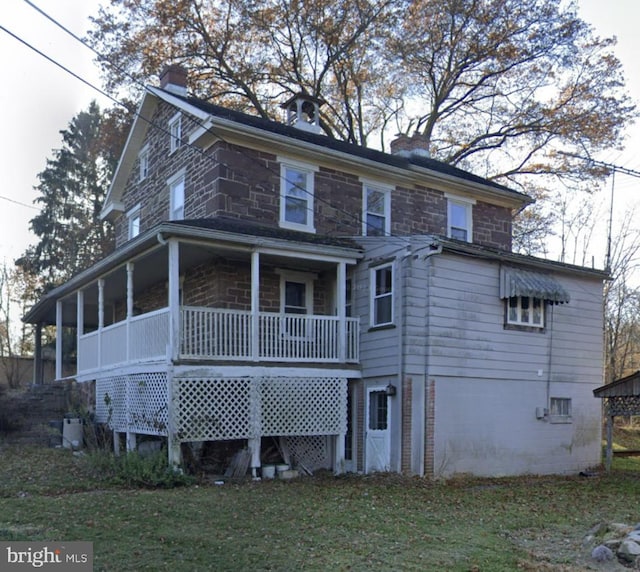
221 123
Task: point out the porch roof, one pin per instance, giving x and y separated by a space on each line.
628 386
227 234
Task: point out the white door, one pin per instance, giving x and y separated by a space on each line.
378 434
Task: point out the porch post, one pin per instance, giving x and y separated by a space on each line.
341 301
609 451
59 339
100 318
130 437
174 299
173 443
79 325
255 305
37 356
129 307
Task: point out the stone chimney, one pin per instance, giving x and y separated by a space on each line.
174 79
406 146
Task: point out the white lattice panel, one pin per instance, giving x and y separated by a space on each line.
214 409
110 402
303 406
311 452
147 403
136 402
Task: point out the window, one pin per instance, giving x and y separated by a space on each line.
376 216
296 197
296 297
378 410
460 218
175 132
525 311
133 218
176 196
143 159
560 409
382 295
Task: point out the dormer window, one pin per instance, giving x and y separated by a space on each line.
175 132
303 112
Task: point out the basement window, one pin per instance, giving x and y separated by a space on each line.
560 410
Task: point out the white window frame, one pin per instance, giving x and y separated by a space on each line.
368 186
177 186
560 409
143 159
306 278
175 132
524 316
133 222
309 171
375 297
465 203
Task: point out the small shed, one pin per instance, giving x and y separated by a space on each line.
622 397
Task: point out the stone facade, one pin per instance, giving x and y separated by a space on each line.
226 180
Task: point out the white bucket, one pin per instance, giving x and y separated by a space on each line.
268 471
282 468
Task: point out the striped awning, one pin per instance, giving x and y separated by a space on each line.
516 282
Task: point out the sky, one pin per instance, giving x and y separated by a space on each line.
38 99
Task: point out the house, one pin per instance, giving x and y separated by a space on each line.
359 310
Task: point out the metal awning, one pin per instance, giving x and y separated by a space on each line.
517 282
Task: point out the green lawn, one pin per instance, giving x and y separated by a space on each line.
319 523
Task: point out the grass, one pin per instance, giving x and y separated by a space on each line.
320 523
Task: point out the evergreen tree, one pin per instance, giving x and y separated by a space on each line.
72 189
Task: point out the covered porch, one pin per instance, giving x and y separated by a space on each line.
621 398
186 294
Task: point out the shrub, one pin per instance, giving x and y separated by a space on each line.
134 470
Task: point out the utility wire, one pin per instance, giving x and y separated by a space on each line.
101 57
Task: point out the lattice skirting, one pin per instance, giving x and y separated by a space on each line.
244 408
622 405
212 409
135 403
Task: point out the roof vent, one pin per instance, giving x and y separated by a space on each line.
414 146
303 112
174 79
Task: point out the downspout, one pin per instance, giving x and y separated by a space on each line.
435 248
549 361
161 239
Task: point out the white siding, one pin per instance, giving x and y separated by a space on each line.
489 380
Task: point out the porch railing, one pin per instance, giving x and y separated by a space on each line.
211 333
227 334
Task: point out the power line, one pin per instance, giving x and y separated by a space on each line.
207 128
613 169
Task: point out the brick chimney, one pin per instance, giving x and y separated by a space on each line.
406 146
174 79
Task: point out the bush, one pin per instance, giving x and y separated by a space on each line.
134 470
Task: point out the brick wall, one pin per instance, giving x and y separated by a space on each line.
430 424
405 461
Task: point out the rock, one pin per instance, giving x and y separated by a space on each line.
629 550
613 544
602 554
634 535
588 540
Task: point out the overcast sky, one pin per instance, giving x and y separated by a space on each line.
38 99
